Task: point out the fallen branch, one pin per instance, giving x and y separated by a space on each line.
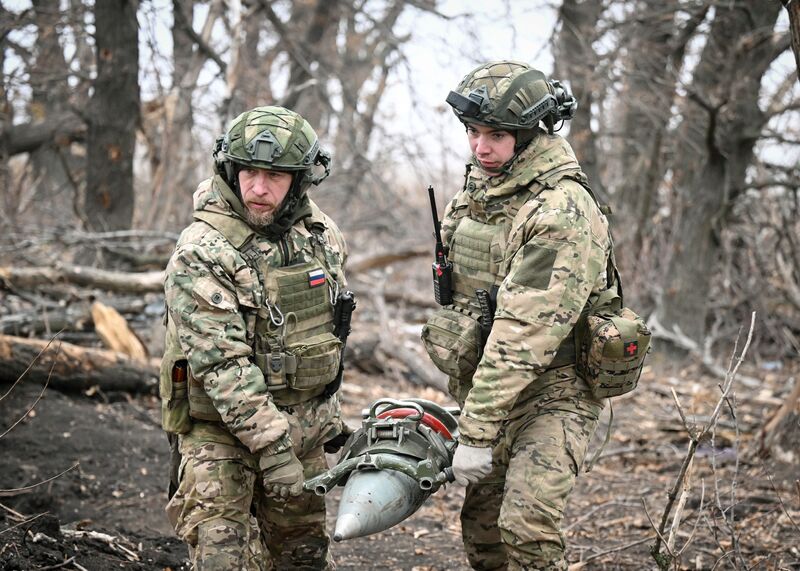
115 332
391 346
73 368
769 431
385 259
124 282
115 543
680 340
582 564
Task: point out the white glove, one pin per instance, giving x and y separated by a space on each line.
470 464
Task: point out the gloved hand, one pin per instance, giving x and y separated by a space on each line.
282 474
470 464
335 444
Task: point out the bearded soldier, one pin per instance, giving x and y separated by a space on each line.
252 364
529 248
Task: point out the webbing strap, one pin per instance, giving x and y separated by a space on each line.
596 457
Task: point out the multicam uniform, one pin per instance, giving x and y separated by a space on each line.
536 235
252 317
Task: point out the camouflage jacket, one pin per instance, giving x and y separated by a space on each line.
554 257
212 295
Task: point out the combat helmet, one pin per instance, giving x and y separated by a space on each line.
512 96
272 138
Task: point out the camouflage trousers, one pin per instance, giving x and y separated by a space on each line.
512 518
220 509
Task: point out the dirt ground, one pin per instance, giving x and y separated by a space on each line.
115 455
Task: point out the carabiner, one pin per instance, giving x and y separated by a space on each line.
277 322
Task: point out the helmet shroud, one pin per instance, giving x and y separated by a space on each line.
512 96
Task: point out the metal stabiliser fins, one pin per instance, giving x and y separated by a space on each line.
401 455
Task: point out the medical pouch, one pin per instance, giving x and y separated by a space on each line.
452 338
612 344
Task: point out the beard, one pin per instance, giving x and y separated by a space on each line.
259 219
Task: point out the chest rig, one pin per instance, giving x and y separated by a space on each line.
477 234
291 333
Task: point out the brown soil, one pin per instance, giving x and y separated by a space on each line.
118 487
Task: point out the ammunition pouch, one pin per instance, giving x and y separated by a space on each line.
612 343
173 387
453 340
302 366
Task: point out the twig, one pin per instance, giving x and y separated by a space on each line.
659 535
676 518
27 521
15 514
582 564
17 491
53 338
679 339
59 565
41 394
590 513
780 499
694 438
697 520
681 413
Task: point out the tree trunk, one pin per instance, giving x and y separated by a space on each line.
722 121
49 104
71 368
794 25
121 282
319 19
656 45
113 117
575 64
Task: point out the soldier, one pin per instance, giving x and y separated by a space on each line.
251 367
529 248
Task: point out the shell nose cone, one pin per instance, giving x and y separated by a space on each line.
347 526
374 501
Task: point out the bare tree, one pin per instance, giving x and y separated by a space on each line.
721 124
170 118
576 64
113 117
50 100
794 22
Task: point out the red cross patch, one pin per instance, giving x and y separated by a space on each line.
631 348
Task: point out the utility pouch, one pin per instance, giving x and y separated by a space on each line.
452 338
612 343
317 360
173 390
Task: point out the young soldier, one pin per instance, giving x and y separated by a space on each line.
528 247
252 364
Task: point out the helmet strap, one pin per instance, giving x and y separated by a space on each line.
231 176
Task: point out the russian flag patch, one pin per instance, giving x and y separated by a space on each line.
316 277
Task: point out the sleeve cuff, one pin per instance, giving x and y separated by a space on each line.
478 433
283 443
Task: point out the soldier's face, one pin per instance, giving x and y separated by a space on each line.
262 193
492 147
